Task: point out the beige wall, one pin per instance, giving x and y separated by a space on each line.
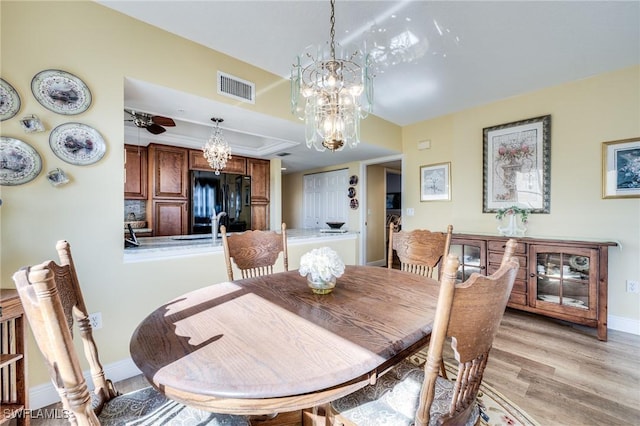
103 47
584 114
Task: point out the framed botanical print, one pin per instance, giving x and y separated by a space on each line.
435 182
621 168
516 169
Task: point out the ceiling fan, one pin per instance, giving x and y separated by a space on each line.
153 123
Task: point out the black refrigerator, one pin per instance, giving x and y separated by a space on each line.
212 194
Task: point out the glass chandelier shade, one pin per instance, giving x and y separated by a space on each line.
332 93
217 150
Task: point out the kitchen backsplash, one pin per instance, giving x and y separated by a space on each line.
137 207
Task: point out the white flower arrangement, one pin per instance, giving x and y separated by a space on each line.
322 264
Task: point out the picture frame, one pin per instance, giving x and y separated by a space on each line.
394 200
435 182
517 165
621 168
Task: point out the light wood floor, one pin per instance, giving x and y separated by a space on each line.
561 374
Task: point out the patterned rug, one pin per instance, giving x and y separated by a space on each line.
495 408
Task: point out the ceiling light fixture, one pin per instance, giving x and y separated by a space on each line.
217 150
332 94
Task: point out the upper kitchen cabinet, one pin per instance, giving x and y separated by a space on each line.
235 164
168 171
135 169
260 173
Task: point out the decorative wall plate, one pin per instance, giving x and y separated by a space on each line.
352 192
19 162
9 100
77 143
353 203
61 92
353 180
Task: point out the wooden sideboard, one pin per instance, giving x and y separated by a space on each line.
13 373
563 279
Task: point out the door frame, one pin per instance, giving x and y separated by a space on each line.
363 198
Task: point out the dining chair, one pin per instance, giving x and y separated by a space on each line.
53 301
419 250
254 252
468 313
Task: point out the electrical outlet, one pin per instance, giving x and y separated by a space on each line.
96 320
633 286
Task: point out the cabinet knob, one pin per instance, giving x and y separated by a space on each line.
482 268
532 275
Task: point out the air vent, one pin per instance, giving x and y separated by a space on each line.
236 88
284 154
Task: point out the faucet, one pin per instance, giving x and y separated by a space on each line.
215 223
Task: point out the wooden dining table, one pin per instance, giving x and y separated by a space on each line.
268 344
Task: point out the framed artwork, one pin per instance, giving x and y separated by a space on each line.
517 165
621 169
435 182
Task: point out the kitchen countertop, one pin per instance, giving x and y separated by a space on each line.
152 248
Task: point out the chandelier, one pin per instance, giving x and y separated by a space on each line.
332 94
217 150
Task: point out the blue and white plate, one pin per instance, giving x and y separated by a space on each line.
19 162
77 143
9 100
61 92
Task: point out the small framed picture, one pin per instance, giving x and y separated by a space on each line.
621 168
435 182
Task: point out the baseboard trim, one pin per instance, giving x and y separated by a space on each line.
42 395
626 325
382 262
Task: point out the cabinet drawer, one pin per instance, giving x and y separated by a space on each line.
522 271
10 308
518 299
519 286
496 258
499 246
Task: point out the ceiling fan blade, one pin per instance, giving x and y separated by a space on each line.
163 121
155 129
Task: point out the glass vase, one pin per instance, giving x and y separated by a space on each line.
321 286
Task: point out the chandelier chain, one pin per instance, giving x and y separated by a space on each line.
332 33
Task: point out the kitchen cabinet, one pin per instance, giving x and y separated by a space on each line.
563 279
170 217
135 172
260 172
169 186
168 171
235 164
13 358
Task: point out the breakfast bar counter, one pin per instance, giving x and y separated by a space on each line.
152 248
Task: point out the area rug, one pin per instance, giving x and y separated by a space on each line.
495 408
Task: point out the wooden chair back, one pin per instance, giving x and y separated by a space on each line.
470 314
254 252
419 250
48 294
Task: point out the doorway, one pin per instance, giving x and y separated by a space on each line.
374 206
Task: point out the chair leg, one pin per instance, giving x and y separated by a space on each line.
443 372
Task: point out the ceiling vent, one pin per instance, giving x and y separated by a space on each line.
236 88
284 154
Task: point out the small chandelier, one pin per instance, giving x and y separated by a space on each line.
337 92
217 150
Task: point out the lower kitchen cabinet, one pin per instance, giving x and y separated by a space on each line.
563 279
170 217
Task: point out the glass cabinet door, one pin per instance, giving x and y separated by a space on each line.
562 278
472 257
